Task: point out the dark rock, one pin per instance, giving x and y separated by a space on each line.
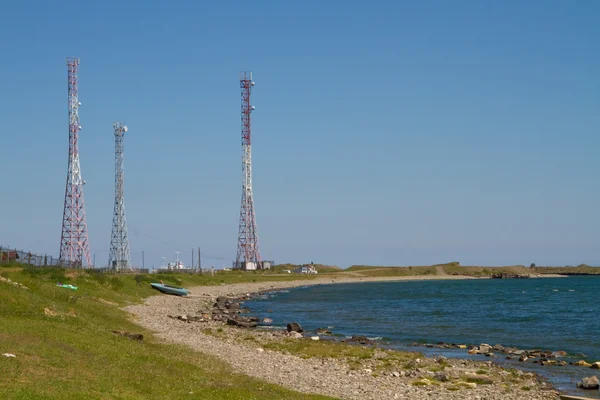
242 323
441 377
589 383
294 327
523 358
498 347
130 335
359 339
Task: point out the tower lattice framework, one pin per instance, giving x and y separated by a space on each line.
248 254
74 243
119 256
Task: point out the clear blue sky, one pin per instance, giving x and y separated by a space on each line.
389 133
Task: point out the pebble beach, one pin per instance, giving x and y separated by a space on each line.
244 350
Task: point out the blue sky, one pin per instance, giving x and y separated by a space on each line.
385 133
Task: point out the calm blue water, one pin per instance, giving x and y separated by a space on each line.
548 313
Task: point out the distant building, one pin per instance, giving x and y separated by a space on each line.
306 269
252 266
9 256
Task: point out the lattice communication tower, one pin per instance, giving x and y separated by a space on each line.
74 243
248 254
119 256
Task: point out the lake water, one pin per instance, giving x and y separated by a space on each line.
547 313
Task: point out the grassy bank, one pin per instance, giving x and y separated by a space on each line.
65 347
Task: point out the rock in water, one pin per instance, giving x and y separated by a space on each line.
589 383
595 365
294 327
581 363
242 323
484 348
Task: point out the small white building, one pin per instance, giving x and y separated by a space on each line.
306 269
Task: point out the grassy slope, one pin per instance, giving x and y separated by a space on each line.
453 268
65 348
580 269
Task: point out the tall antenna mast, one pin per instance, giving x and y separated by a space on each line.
248 254
119 257
74 243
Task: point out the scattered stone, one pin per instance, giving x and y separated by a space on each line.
295 335
323 331
16 284
595 365
130 335
9 355
267 320
315 338
396 374
294 327
441 377
589 383
523 358
498 347
50 312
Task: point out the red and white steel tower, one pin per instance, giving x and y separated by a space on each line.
248 254
74 244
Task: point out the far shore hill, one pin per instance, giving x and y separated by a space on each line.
447 269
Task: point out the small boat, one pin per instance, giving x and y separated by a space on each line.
178 291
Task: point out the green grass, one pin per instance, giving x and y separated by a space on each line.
308 348
580 269
391 271
64 346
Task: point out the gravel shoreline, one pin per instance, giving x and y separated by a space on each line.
242 349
